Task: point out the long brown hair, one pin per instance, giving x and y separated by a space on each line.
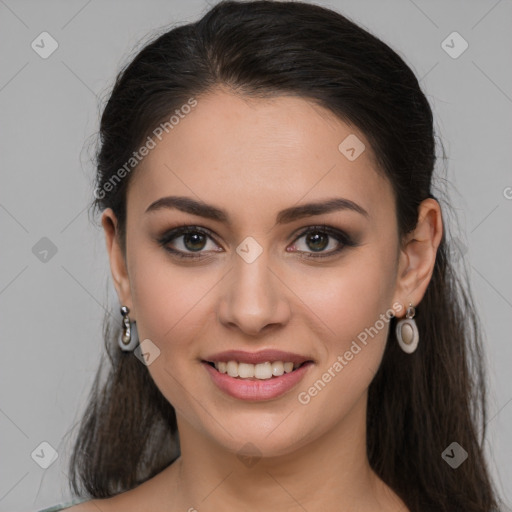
418 404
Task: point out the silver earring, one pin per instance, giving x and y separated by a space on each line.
129 338
407 331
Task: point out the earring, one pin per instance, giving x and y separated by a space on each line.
407 331
129 339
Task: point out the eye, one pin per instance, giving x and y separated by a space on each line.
185 239
318 238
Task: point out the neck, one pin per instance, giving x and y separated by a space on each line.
329 473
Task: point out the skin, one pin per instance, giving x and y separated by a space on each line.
253 158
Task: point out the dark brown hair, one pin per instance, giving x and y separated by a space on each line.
418 404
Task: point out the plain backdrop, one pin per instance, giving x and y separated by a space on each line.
54 276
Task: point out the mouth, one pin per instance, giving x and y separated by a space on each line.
256 376
261 371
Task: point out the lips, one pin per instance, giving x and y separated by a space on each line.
254 376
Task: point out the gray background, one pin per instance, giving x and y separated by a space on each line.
51 311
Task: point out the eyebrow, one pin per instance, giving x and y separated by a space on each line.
189 205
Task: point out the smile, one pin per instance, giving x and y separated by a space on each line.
258 381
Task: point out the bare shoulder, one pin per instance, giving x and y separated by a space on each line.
133 500
146 497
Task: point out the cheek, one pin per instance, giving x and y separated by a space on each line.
350 298
352 306
169 300
356 309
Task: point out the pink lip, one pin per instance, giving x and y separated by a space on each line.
256 389
262 356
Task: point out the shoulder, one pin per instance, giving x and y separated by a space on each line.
145 496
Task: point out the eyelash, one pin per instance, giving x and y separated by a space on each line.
178 231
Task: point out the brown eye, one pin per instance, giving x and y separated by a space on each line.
184 241
318 238
194 241
317 241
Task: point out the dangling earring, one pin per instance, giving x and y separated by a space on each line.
129 338
407 331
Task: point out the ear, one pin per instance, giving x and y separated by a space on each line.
418 255
118 266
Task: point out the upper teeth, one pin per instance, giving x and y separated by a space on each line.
259 371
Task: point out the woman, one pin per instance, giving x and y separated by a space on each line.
291 333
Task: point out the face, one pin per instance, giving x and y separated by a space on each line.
259 273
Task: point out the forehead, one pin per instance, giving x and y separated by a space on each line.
250 155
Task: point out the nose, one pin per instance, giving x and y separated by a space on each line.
253 298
